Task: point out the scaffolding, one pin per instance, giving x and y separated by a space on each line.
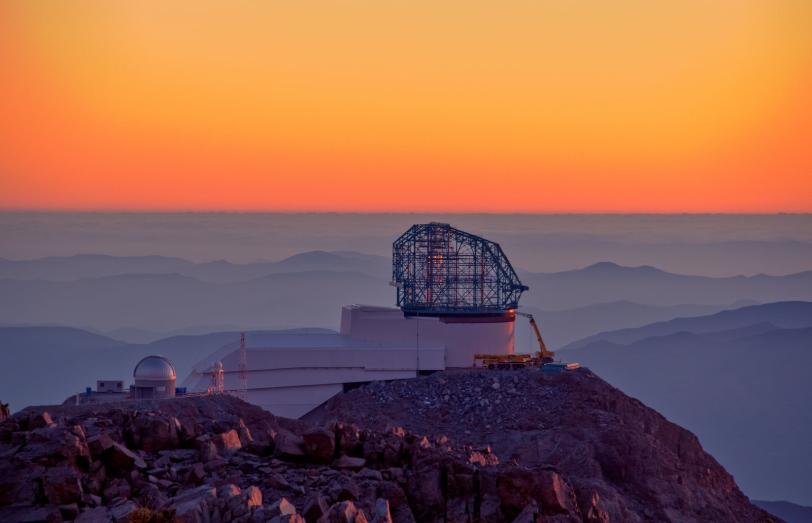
442 271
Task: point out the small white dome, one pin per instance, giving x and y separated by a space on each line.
154 368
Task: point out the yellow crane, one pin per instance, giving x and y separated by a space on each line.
544 355
516 361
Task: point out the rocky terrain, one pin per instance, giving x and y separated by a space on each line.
469 446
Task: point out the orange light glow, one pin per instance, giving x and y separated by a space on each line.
524 106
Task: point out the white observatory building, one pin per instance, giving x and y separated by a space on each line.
154 379
457 295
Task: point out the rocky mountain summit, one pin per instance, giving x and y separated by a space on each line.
467 446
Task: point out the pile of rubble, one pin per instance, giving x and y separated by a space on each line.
454 447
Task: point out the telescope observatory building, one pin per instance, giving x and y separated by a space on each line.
456 296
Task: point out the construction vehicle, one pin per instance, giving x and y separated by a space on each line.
518 361
504 361
544 355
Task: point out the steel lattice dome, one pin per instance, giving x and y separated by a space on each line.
154 368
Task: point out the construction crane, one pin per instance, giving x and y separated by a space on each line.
518 361
544 355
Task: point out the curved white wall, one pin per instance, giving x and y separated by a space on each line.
291 374
461 340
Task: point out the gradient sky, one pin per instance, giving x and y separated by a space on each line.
368 105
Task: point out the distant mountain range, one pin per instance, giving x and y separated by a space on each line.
739 379
45 365
788 315
142 298
562 327
789 512
608 282
83 266
165 302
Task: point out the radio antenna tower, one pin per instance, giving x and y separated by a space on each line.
243 390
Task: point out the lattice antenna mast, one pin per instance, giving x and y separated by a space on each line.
243 390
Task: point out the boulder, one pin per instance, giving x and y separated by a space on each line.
63 485
98 444
194 505
516 488
229 492
276 481
69 512
244 434
95 515
315 507
289 446
530 514
154 433
556 494
227 442
207 450
40 420
281 507
319 445
344 512
120 513
348 438
19 484
117 488
51 446
398 502
425 489
349 462
30 514
253 497
382 513
119 459
196 475
344 489
153 497
489 508
370 474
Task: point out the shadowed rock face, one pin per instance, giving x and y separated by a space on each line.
457 447
617 457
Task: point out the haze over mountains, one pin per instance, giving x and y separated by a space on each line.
739 379
147 297
709 245
706 318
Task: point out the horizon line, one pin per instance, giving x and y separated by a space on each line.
399 212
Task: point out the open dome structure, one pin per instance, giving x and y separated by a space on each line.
442 271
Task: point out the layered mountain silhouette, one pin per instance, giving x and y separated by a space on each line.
607 282
789 512
739 379
82 266
142 298
45 365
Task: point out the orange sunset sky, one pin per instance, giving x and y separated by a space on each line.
370 105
